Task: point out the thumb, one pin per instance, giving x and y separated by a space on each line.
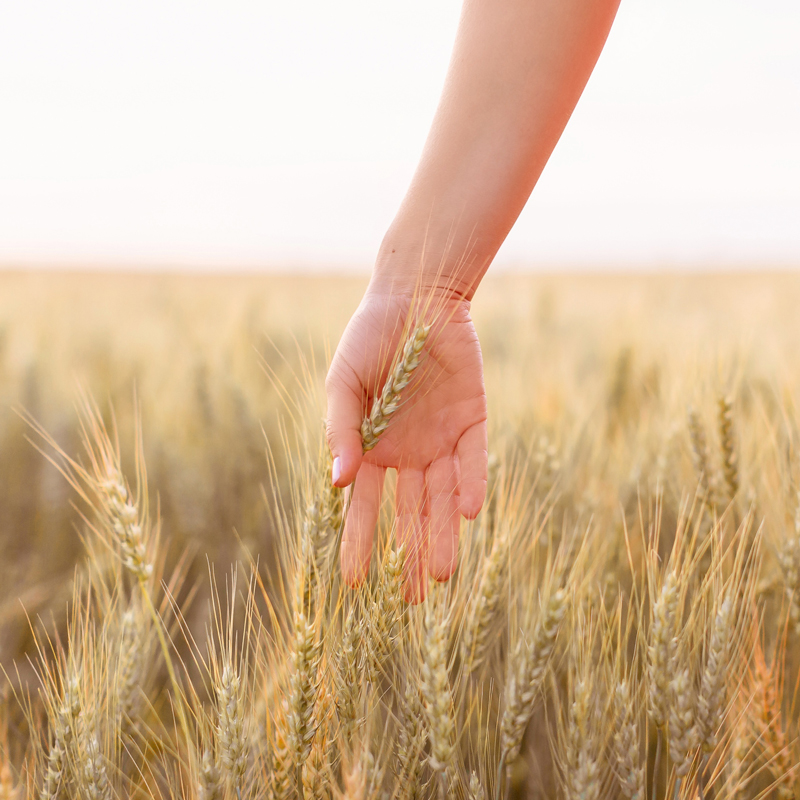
344 427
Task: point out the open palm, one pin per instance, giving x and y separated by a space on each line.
436 440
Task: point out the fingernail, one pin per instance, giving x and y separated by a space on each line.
336 472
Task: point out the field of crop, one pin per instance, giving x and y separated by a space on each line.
624 620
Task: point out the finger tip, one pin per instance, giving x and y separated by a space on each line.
471 510
344 469
471 500
415 592
442 569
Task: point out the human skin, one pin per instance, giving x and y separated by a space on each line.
517 71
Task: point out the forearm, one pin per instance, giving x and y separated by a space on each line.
517 71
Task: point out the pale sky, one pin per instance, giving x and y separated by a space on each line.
247 134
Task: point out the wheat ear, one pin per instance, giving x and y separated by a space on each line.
789 558
729 461
661 648
702 462
630 770
475 789
681 722
526 673
435 688
389 400
123 514
410 743
477 631
209 786
711 697
348 685
231 726
384 618
306 653
582 767
65 734
94 776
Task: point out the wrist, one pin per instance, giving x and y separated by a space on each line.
409 266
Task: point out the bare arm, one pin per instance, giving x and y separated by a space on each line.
517 71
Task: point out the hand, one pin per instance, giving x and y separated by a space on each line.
436 440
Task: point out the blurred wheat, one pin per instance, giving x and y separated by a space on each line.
623 621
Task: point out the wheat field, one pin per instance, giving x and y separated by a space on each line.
624 620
